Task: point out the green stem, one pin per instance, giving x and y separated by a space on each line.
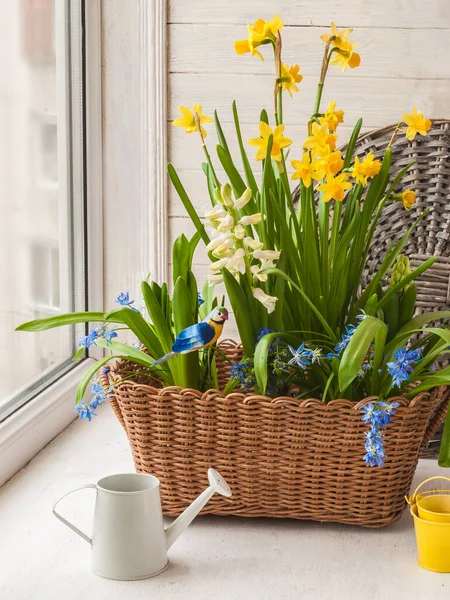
209 161
318 98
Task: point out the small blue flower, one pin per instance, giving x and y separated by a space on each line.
432 369
315 355
109 335
124 300
342 345
200 299
88 340
106 370
361 316
85 411
400 368
300 357
99 395
264 331
378 414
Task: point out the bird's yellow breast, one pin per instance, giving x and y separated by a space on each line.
217 331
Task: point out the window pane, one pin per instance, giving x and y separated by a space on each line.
37 204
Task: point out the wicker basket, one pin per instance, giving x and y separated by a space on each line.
281 457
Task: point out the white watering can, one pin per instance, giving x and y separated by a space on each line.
128 537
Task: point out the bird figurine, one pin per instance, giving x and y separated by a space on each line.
198 336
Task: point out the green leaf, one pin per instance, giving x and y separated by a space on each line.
220 133
187 204
158 319
237 183
251 181
80 353
351 144
181 252
81 389
66 319
444 453
355 353
188 364
141 329
242 312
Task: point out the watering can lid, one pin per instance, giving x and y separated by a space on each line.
412 499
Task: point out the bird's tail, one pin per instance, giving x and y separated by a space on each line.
163 359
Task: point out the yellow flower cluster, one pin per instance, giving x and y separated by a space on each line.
416 123
344 54
261 32
369 167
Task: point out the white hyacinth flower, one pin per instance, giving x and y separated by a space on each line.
218 241
268 301
219 264
224 250
217 213
237 261
226 223
266 254
256 270
215 279
225 192
244 199
239 232
253 244
251 219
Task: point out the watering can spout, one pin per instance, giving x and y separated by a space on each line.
216 484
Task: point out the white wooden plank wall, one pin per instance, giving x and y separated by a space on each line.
404 51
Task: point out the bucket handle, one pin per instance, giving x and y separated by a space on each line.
412 499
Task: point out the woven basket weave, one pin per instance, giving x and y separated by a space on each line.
281 457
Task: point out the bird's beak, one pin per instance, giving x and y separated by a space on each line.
224 317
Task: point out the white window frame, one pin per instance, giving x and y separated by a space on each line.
24 433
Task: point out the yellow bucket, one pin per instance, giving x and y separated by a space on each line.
431 513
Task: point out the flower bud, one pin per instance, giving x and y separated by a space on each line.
216 242
216 214
267 254
244 199
251 219
253 244
400 270
225 192
217 195
239 232
226 223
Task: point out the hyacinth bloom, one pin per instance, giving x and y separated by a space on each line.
268 301
335 187
416 124
279 141
189 121
291 77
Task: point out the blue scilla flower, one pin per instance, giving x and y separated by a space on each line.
99 395
200 300
106 370
342 345
378 414
124 300
85 411
88 340
364 369
400 368
300 357
264 331
109 335
314 355
243 372
362 315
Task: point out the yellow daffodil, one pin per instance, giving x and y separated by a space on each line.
330 163
259 33
408 198
279 141
416 123
335 187
321 141
345 56
369 167
292 77
339 36
188 121
303 169
332 117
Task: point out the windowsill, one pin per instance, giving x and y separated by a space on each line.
217 557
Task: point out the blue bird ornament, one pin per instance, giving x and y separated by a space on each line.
198 336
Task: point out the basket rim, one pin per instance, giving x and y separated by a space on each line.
249 398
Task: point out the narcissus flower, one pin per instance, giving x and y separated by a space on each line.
409 199
367 168
261 32
188 120
329 163
292 77
339 36
334 187
303 169
268 301
332 117
345 56
416 123
279 141
321 141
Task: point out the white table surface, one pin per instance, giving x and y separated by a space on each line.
216 558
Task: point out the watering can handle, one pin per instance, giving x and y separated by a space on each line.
413 497
68 523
